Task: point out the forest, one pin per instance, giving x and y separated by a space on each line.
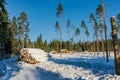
15 33
90 49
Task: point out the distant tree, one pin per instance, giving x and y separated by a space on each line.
87 35
67 44
45 46
68 32
96 33
57 31
14 26
39 42
99 12
29 44
92 20
71 42
27 36
77 34
59 15
22 26
52 45
83 25
105 31
72 36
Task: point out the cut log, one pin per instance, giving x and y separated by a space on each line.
64 51
54 52
24 56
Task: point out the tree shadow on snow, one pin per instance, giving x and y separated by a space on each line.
12 68
42 74
98 66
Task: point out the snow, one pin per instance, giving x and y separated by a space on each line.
76 66
38 54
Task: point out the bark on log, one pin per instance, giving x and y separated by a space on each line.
24 56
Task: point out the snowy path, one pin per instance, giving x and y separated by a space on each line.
69 67
11 66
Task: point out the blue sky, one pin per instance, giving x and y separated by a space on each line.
42 14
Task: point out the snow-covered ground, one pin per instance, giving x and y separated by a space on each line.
76 66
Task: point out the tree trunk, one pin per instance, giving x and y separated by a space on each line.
116 46
97 44
83 41
105 30
102 35
22 46
57 41
69 39
60 36
93 49
94 45
103 45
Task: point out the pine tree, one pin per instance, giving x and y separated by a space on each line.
69 31
83 25
45 46
99 12
39 42
87 35
13 30
96 28
77 32
57 31
3 29
59 15
22 27
105 30
92 20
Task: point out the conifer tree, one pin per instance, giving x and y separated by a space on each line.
92 20
99 12
3 29
57 31
68 32
59 15
83 25
22 28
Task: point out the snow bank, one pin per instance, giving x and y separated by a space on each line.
38 54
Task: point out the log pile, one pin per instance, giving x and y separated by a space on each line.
24 56
64 51
54 52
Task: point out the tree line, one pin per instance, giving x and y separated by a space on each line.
14 33
98 26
